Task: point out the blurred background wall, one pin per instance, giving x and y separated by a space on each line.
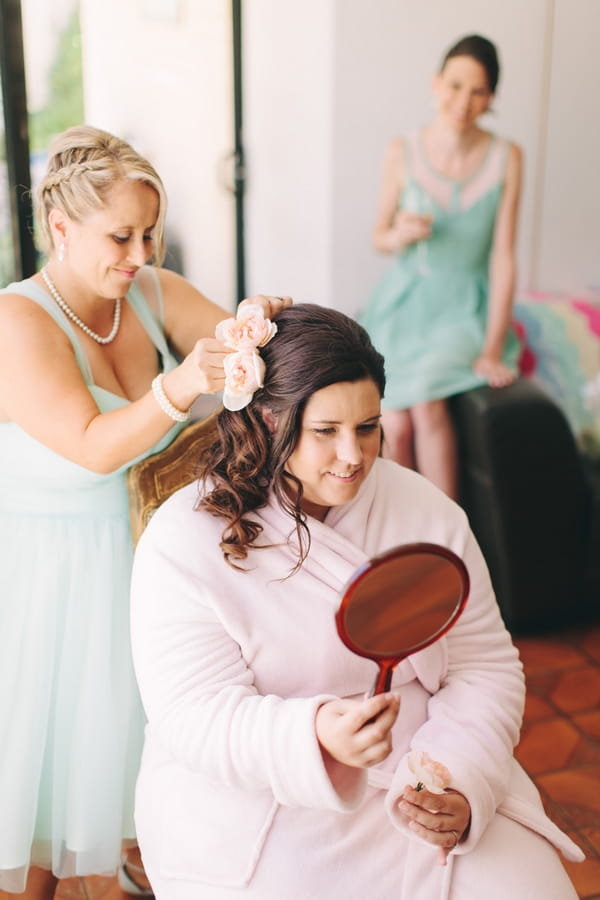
326 83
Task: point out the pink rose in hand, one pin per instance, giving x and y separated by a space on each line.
248 330
244 374
431 775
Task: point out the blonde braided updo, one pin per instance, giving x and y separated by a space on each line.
84 164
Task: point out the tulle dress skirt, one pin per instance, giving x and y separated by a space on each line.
71 721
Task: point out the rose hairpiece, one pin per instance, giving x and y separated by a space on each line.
431 775
244 368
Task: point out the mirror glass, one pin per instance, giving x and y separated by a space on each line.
400 602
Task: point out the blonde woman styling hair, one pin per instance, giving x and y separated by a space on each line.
101 357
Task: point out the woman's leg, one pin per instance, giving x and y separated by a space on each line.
41 885
435 445
131 862
510 861
398 436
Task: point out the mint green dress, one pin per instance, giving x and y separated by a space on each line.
428 314
71 722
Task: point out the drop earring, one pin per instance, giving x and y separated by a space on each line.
61 251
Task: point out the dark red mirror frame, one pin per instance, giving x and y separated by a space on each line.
386 661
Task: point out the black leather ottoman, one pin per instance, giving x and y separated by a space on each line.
591 581
523 486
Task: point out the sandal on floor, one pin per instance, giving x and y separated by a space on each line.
127 882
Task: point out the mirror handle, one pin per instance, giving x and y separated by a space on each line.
383 681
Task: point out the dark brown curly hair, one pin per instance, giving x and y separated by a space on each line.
314 347
482 51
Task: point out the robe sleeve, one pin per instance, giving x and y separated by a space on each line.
475 712
199 694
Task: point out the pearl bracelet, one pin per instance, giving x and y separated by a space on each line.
165 404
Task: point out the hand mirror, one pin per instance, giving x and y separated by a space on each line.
399 602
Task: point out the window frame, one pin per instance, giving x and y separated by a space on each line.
16 131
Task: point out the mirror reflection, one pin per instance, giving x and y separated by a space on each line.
401 602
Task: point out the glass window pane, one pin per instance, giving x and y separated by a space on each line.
7 263
52 48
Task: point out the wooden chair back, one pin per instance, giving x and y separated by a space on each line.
152 480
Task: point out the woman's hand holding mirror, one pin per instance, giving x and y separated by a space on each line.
358 733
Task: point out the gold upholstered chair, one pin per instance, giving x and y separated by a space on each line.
152 480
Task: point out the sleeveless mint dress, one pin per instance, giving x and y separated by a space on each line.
428 314
71 722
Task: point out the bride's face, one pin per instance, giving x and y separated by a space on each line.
339 441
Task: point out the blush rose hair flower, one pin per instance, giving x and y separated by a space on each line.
244 369
248 330
431 775
244 374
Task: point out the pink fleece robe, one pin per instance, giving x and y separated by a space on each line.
233 797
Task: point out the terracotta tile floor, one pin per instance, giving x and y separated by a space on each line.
90 888
560 749
560 740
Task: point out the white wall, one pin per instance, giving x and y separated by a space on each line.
384 67
326 84
383 54
42 24
158 72
569 235
289 121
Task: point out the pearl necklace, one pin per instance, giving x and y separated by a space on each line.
75 318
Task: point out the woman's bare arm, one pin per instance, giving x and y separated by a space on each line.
395 229
502 275
43 391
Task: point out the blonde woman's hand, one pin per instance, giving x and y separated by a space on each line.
271 305
440 819
494 371
201 372
358 732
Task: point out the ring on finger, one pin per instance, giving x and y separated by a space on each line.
456 838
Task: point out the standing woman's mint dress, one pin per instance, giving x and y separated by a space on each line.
71 723
428 314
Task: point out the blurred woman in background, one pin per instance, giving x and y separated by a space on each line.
441 313
90 382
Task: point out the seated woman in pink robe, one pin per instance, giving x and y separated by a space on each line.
267 773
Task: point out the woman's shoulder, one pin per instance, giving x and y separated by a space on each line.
395 160
28 313
510 159
179 521
501 160
394 152
506 141
514 157
397 483
19 287
28 288
511 149
399 142
158 286
401 152
392 473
